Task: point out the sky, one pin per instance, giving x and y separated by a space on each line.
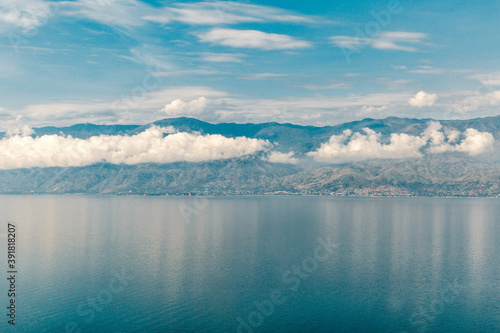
304 62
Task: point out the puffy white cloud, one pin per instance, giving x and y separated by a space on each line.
150 146
349 146
422 99
252 39
473 142
179 107
23 130
16 126
476 142
285 158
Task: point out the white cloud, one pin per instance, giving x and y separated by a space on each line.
138 106
387 40
151 57
180 108
393 84
392 40
493 97
477 101
285 158
252 39
487 79
127 14
422 99
476 142
222 57
348 42
264 76
25 14
15 125
122 14
349 147
23 130
331 86
426 70
150 146
311 110
371 111
473 142
224 12
311 116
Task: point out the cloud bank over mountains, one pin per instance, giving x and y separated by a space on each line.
164 144
349 146
149 146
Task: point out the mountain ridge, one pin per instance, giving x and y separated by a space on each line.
184 123
444 174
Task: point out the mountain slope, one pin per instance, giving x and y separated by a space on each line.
444 174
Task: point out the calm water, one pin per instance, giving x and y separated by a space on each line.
253 264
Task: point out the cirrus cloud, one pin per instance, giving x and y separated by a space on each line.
387 40
25 14
224 12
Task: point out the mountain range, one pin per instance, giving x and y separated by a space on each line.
446 173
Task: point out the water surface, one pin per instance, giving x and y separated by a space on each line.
189 265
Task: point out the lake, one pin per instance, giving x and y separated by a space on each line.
252 264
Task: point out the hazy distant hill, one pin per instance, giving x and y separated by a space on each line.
447 174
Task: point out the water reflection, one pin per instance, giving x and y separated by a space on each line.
395 256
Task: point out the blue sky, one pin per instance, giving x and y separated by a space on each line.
305 62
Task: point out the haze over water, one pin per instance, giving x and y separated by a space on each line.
169 264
